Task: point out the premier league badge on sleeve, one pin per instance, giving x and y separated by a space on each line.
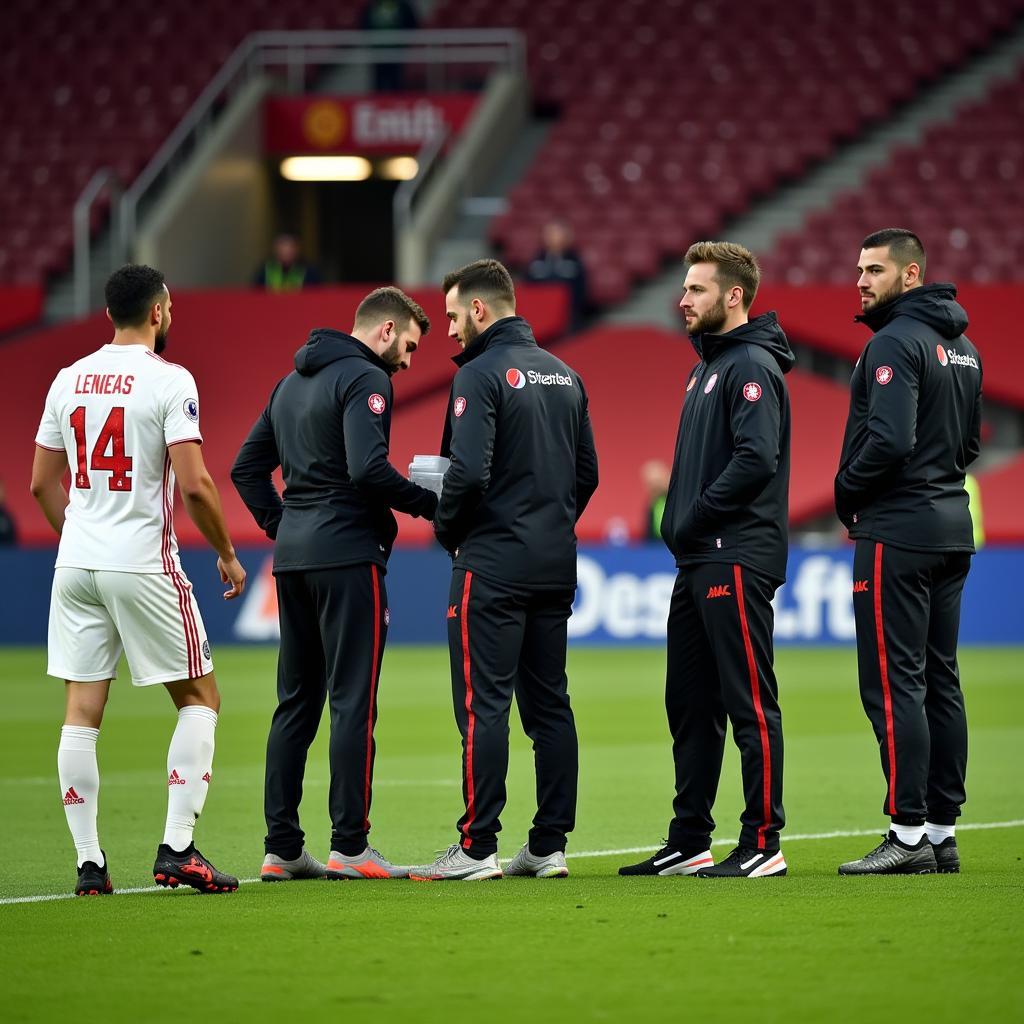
191 408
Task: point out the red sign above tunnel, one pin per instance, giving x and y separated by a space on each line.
400 123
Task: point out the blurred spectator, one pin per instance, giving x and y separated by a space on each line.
285 271
387 16
655 475
8 531
557 260
974 503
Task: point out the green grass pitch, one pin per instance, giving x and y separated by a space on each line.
596 947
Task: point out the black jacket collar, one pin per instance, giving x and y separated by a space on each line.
326 345
509 330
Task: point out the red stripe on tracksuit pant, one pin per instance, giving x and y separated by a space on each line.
333 635
907 609
504 640
720 668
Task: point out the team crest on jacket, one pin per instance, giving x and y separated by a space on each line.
941 353
693 380
712 381
515 378
883 374
460 406
752 391
376 403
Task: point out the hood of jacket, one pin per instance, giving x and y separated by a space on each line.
325 346
509 330
763 330
932 304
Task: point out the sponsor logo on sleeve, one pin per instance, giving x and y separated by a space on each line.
191 409
752 391
516 378
376 403
712 381
883 374
459 407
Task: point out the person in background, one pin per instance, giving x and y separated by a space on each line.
388 16
8 531
973 503
656 476
286 271
557 260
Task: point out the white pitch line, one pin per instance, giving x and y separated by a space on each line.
840 834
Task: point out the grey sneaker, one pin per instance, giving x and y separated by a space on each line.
891 857
456 864
525 863
370 863
277 869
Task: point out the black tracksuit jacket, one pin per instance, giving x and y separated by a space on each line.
914 426
523 461
328 426
728 498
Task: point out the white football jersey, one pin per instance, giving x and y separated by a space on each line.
116 413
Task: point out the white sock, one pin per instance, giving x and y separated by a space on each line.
189 760
909 835
80 788
937 833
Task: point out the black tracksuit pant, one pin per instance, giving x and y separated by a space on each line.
907 608
504 641
720 665
333 629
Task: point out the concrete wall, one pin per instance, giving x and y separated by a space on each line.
212 227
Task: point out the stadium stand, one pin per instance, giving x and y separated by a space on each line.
961 189
20 306
655 101
79 94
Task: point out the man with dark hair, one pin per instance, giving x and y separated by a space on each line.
725 522
127 422
523 467
328 426
914 428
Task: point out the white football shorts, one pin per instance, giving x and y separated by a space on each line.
153 617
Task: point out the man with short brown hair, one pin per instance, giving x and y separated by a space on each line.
725 521
328 426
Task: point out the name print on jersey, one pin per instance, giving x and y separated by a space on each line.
104 383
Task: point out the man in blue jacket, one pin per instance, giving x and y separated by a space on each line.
726 522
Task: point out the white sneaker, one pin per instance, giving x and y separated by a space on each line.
455 863
277 869
525 863
370 863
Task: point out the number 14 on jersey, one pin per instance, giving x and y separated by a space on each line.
117 463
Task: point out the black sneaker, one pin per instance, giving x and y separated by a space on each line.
746 862
671 861
947 856
190 867
891 857
94 880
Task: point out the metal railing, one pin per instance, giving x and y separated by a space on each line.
81 218
297 51
406 193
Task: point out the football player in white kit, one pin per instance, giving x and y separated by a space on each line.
126 423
